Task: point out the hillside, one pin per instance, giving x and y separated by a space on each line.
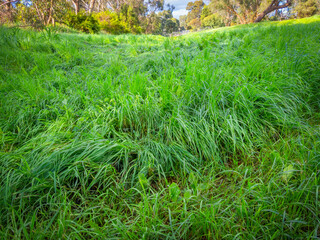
205 136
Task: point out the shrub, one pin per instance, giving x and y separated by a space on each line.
125 22
83 22
111 23
212 21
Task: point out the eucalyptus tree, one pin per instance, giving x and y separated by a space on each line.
195 9
248 11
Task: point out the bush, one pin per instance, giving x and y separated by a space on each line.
125 22
307 8
111 23
212 21
83 22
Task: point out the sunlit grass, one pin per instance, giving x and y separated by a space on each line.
206 136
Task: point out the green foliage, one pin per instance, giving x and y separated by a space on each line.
116 23
244 12
27 15
193 17
212 21
212 135
111 23
307 8
83 22
168 23
187 195
195 9
153 24
40 13
288 173
174 192
205 12
130 17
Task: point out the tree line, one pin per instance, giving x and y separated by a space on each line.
112 16
218 13
149 16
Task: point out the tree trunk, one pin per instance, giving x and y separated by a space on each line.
50 13
75 6
91 5
274 5
99 6
78 6
233 11
40 14
9 10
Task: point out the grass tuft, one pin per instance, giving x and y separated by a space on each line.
206 136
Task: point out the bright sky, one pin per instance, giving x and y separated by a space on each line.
180 6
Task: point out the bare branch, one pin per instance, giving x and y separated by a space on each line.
272 7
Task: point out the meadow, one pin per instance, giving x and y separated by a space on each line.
211 135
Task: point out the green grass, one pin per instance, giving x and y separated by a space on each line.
212 135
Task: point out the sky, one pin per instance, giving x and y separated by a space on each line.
180 7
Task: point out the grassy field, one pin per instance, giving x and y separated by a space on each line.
212 135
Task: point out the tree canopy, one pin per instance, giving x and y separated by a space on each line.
114 16
228 12
150 16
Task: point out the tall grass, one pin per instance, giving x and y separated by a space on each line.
206 136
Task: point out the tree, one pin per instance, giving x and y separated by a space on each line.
248 11
195 23
6 15
153 24
193 17
41 13
183 21
9 7
155 5
168 23
111 23
210 19
87 5
205 12
76 6
130 15
307 8
152 21
115 16
171 25
273 6
195 9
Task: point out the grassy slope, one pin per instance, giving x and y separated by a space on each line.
210 135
